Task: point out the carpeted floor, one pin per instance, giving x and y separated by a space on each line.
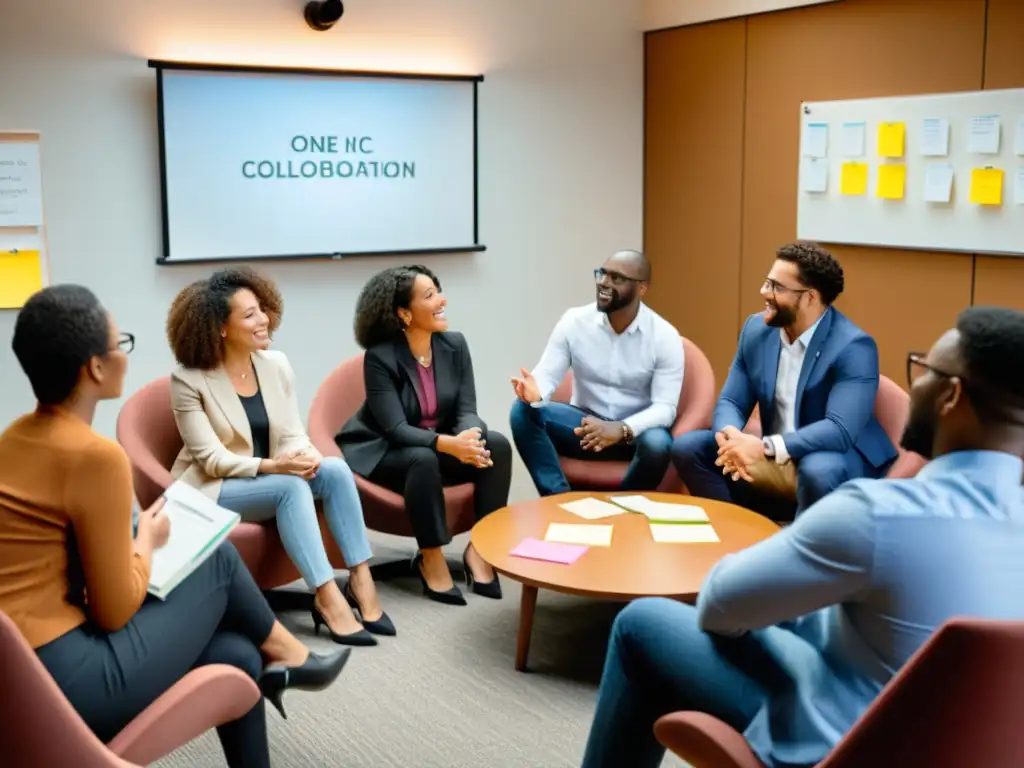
443 694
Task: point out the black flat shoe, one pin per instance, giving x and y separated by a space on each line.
316 674
451 596
362 637
382 626
491 589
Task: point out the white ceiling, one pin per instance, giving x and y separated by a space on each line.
659 14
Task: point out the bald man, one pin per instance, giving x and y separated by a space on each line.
627 365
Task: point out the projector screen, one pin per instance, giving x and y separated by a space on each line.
270 163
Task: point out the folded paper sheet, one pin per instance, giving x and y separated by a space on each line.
587 535
591 508
683 534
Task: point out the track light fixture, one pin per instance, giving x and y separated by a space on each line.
321 15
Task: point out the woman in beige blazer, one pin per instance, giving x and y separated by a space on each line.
245 447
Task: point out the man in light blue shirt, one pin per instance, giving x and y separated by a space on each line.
861 579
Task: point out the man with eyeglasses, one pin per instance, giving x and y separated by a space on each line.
813 375
627 365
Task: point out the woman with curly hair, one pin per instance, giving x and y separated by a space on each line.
418 429
245 447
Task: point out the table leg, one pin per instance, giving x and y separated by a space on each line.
526 607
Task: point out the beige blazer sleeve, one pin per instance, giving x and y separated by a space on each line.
197 432
292 435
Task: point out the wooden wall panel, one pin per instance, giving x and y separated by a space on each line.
693 164
854 49
1001 280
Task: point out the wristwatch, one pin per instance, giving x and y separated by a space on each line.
769 447
627 434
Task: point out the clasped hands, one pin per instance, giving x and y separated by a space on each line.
300 463
737 451
469 447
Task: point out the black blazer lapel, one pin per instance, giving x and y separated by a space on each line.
446 379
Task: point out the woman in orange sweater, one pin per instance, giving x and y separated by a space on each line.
74 580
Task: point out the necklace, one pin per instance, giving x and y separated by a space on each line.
424 360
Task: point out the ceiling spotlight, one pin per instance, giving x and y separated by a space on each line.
321 15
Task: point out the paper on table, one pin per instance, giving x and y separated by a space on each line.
854 179
1018 142
591 508
851 139
574 533
890 139
938 183
815 140
983 135
549 551
684 534
892 180
814 174
662 511
21 275
1018 186
935 137
987 186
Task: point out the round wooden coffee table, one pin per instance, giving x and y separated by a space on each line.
633 566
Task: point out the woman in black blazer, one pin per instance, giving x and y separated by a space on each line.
418 429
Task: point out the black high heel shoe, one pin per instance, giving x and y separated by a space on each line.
491 589
451 596
382 626
361 637
316 674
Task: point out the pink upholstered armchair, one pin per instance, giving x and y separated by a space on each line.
147 431
38 727
892 409
956 702
338 398
695 409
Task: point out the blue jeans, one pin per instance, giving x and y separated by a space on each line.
291 500
659 661
543 434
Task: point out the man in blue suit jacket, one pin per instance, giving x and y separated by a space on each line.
814 376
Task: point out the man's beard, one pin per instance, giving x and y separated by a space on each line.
783 317
919 434
616 301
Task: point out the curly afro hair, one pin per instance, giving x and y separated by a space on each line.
383 295
817 267
200 310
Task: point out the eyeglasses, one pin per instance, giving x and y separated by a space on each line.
615 278
776 287
917 367
126 343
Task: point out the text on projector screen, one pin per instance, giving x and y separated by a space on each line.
329 169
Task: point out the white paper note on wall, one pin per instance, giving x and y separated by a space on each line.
983 135
814 174
935 137
852 139
815 140
1018 142
938 183
1018 186
21 188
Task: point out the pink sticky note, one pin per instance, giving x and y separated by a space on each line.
551 551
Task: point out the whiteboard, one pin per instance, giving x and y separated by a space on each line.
912 222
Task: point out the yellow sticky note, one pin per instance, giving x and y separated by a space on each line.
987 186
21 275
892 180
574 533
890 139
854 179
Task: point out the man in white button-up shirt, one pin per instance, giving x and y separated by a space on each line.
627 365
814 377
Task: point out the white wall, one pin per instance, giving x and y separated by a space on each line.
660 14
560 160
